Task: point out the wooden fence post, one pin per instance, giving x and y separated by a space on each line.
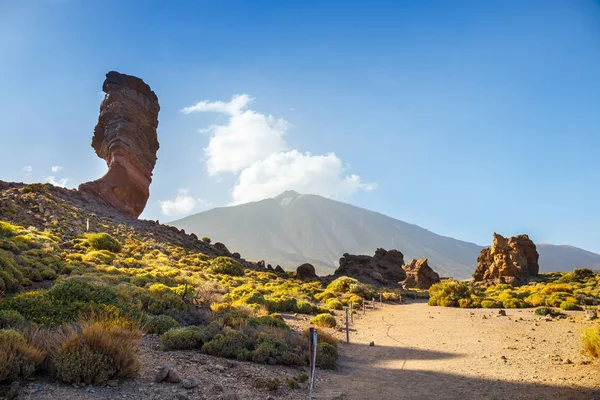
312 352
347 330
364 307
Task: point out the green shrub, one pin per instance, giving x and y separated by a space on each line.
18 360
160 324
304 307
11 319
191 337
102 348
103 241
229 344
591 341
568 305
546 311
334 304
341 284
324 321
272 384
488 303
99 257
226 265
269 321
327 356
206 239
447 293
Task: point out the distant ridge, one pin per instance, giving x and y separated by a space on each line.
293 228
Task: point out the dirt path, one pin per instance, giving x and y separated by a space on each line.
424 352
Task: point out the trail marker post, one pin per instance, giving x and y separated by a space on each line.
364 307
313 359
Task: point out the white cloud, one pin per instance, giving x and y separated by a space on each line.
247 137
56 168
28 169
61 182
252 145
303 172
182 204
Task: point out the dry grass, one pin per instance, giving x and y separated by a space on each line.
591 341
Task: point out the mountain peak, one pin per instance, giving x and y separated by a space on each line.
288 193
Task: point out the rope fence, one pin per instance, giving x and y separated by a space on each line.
348 319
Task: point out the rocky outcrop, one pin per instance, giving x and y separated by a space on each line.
384 268
306 271
419 275
510 260
126 138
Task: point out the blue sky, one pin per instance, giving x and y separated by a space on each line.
464 117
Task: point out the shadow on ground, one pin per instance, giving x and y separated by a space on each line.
363 380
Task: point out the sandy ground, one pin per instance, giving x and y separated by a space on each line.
424 352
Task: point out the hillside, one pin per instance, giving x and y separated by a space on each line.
291 229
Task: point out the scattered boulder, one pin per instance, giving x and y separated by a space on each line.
306 271
384 268
236 255
279 269
189 383
173 376
126 138
162 373
590 315
510 260
419 275
221 247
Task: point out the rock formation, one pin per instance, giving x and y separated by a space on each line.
419 275
125 137
510 260
306 271
384 268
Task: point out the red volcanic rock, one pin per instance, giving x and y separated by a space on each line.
419 275
125 137
510 260
384 268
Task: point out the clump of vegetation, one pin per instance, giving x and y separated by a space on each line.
103 241
160 324
102 348
591 341
448 292
191 337
327 355
226 265
324 321
546 311
18 360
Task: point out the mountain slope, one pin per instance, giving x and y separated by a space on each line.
291 229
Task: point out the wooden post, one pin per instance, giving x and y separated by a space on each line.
364 307
347 322
373 303
311 349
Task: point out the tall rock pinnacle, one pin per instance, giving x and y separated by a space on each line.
125 137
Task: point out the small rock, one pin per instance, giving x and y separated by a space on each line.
219 368
566 361
190 383
162 373
229 396
483 317
113 383
371 344
181 396
501 313
590 315
173 377
13 393
216 388
503 358
233 364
